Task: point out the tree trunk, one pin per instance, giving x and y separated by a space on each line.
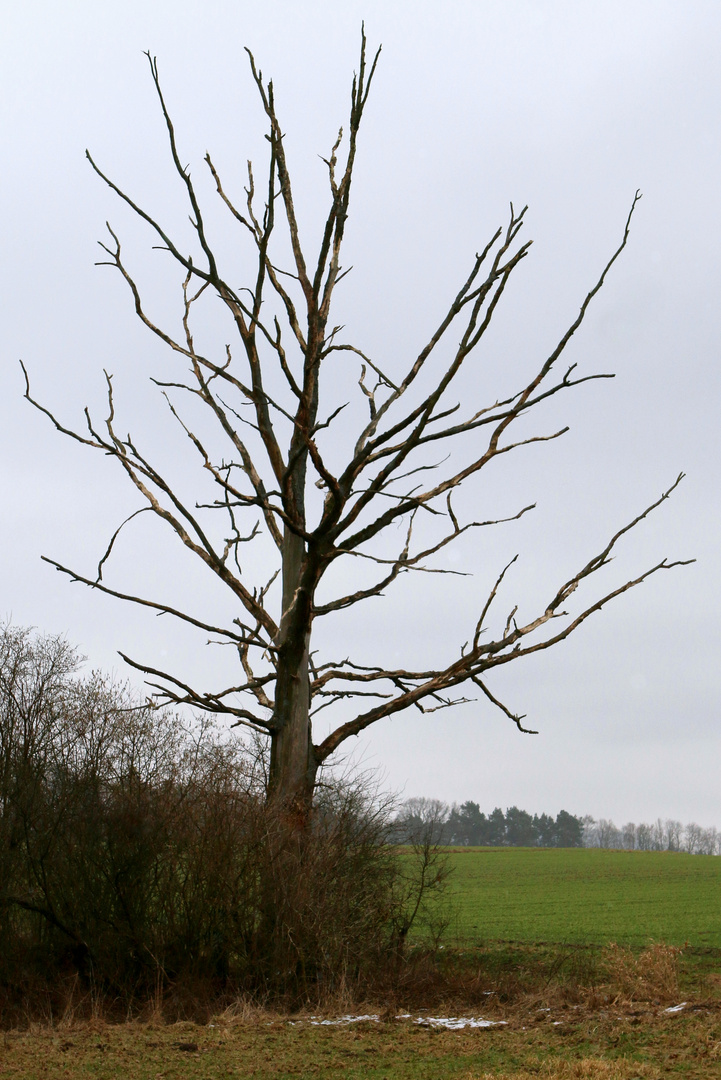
293 765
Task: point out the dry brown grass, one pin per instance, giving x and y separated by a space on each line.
585 1069
608 1044
651 975
491 979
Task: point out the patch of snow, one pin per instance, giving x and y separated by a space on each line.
456 1022
342 1020
453 1023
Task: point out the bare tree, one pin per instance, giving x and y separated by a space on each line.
658 835
693 838
269 406
709 844
608 835
644 837
674 835
422 820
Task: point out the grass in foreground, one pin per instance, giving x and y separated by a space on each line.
571 1014
571 1009
611 1044
586 895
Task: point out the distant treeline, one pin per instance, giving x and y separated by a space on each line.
665 835
466 825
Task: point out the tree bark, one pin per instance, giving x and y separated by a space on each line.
293 764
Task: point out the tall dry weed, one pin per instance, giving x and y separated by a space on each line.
651 975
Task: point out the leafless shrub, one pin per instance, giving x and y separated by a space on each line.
140 857
421 828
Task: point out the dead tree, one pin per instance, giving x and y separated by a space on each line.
263 396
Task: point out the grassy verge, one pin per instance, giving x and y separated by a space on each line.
563 1013
611 1044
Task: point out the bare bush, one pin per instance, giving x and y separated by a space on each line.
139 856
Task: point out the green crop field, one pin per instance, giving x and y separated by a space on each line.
589 895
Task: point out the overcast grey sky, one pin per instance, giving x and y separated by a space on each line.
567 107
